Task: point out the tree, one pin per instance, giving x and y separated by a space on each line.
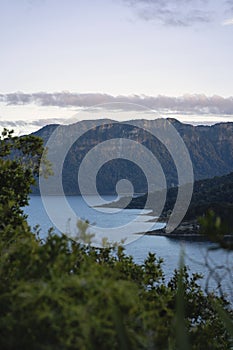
20 162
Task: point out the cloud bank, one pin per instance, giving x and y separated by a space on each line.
22 127
188 104
181 13
173 12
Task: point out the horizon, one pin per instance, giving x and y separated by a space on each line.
20 131
59 58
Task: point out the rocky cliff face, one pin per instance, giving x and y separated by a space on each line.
210 148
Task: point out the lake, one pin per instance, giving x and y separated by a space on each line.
197 254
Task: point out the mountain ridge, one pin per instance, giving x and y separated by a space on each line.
210 148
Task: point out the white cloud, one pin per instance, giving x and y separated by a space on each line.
22 127
182 13
198 104
228 22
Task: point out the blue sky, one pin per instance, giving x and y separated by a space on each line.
106 49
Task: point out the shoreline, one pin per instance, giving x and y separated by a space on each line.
195 236
179 236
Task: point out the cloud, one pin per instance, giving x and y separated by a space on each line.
229 5
22 127
173 12
228 13
196 104
24 123
228 22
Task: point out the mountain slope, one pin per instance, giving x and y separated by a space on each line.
210 148
215 194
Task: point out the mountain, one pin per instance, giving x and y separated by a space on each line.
210 149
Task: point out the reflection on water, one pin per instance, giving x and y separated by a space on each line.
124 224
196 253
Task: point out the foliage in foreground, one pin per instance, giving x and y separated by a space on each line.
59 294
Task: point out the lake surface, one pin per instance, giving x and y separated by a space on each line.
197 254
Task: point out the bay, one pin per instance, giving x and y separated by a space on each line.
198 255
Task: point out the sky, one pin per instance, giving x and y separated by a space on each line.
59 57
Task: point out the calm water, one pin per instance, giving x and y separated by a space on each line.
196 253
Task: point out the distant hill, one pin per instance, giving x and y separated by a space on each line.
215 194
210 148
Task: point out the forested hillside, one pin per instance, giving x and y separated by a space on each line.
215 194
